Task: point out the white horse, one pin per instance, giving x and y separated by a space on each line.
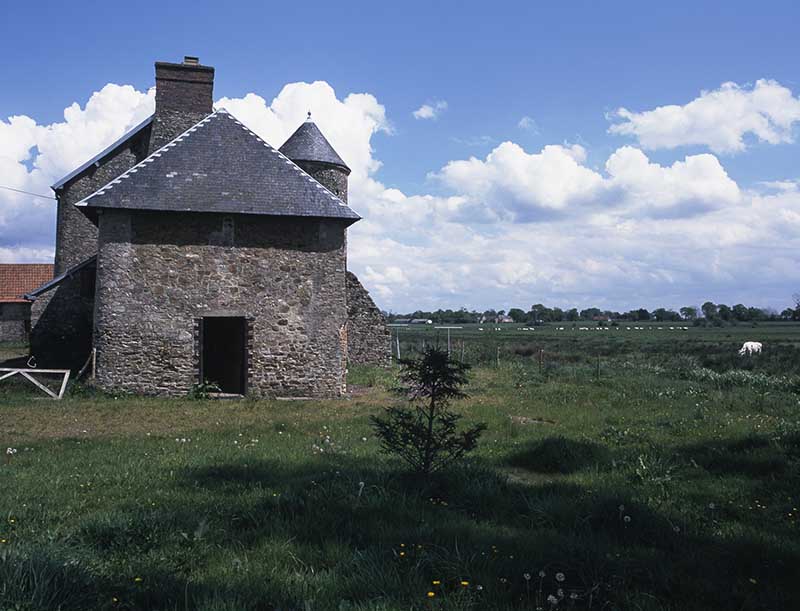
750 348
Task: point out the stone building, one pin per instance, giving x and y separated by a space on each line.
192 250
16 279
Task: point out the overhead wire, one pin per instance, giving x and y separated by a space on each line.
26 192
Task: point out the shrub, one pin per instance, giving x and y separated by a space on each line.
204 390
424 433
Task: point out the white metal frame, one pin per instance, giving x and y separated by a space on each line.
26 373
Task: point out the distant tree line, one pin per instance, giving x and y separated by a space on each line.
708 313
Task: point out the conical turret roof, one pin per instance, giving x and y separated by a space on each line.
308 144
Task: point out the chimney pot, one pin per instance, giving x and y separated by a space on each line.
191 60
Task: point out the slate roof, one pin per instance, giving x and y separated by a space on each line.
308 144
219 165
110 148
51 282
16 279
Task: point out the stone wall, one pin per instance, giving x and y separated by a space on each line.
329 176
367 334
62 320
76 236
14 322
158 273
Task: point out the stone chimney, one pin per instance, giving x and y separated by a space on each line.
184 95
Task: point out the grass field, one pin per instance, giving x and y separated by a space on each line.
670 480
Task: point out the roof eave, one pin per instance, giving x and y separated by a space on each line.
59 279
109 149
92 212
340 166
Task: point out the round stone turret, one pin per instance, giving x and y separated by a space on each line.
309 149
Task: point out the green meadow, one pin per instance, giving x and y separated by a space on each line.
651 469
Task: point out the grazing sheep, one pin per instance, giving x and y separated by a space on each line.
750 348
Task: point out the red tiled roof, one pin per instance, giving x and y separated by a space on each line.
16 279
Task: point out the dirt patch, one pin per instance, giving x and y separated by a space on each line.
527 420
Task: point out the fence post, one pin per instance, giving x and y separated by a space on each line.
398 345
498 356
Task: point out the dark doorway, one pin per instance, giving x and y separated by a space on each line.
224 354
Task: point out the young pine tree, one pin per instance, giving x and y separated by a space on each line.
423 433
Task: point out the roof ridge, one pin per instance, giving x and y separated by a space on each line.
152 156
294 166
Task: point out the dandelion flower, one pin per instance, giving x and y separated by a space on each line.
137 579
552 600
527 576
465 583
431 594
436 582
627 519
560 577
542 573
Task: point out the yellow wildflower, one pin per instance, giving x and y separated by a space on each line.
431 594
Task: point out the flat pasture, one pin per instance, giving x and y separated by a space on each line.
667 477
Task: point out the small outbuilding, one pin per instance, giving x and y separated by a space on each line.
17 279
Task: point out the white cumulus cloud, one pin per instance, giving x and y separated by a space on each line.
512 184
511 228
34 156
718 119
528 124
430 111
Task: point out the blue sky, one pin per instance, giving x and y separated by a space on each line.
566 66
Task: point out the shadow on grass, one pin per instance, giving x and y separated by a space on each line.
755 456
342 533
560 455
